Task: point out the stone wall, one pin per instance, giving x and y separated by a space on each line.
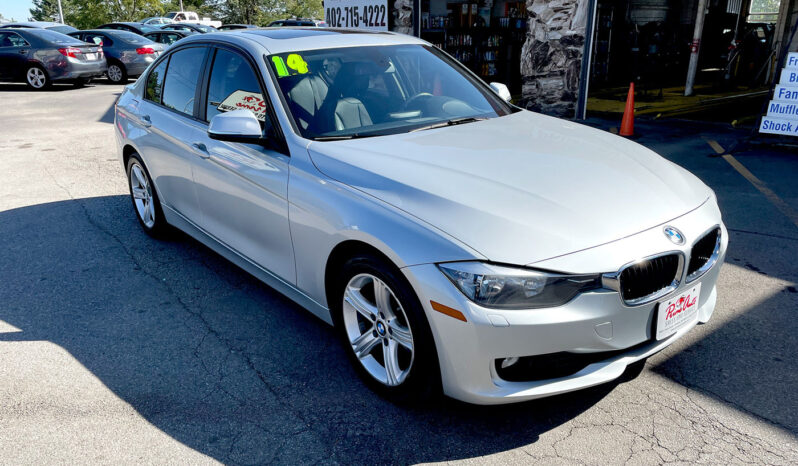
551 57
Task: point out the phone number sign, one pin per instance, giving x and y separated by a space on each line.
359 14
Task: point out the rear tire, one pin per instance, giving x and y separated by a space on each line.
116 72
384 330
36 78
146 204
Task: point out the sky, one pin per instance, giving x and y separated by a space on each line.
17 9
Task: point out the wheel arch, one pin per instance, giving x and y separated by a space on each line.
340 254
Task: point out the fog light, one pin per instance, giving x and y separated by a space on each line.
507 362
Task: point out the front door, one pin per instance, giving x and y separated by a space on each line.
242 188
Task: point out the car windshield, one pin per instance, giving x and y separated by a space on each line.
54 37
205 28
129 37
372 91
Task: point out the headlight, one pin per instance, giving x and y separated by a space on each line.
515 288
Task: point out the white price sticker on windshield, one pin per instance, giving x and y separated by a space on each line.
359 14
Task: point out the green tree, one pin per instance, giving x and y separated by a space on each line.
46 10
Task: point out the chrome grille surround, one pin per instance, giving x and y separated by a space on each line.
711 259
613 280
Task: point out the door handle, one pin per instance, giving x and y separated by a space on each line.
23 51
146 121
201 149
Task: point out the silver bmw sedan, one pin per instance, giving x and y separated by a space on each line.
456 242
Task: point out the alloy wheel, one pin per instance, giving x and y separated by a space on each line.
141 190
378 330
114 73
36 77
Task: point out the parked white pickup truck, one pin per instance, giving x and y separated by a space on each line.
191 17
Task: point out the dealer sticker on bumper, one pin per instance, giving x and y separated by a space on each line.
677 312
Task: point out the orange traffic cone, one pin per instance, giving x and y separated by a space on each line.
628 121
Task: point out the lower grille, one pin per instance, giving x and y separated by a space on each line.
554 365
703 254
649 278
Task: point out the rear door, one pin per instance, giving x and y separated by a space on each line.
242 188
168 116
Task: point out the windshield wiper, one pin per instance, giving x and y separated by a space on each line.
344 137
452 122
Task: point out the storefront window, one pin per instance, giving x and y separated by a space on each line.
486 36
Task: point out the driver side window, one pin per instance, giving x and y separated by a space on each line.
233 85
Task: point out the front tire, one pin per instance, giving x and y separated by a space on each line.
36 78
385 331
146 203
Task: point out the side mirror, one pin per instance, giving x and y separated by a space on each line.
236 126
501 90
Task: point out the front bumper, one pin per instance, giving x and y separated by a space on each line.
592 322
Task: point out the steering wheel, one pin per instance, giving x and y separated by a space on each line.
415 99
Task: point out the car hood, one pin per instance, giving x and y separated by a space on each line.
518 189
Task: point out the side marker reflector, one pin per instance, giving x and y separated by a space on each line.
448 311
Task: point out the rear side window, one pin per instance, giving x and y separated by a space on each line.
154 88
170 38
182 79
233 86
98 39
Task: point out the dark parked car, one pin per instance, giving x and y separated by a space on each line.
57 27
128 54
191 27
232 27
167 37
38 57
137 28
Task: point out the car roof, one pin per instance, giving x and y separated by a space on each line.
289 39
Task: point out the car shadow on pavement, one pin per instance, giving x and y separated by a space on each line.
219 361
749 360
108 116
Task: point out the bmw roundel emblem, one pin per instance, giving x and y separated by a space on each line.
674 235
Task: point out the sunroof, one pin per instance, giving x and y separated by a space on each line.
296 33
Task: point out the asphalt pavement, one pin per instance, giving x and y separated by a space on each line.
117 348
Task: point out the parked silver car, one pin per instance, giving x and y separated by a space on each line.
128 54
39 57
454 240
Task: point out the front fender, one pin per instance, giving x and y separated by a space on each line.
324 213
